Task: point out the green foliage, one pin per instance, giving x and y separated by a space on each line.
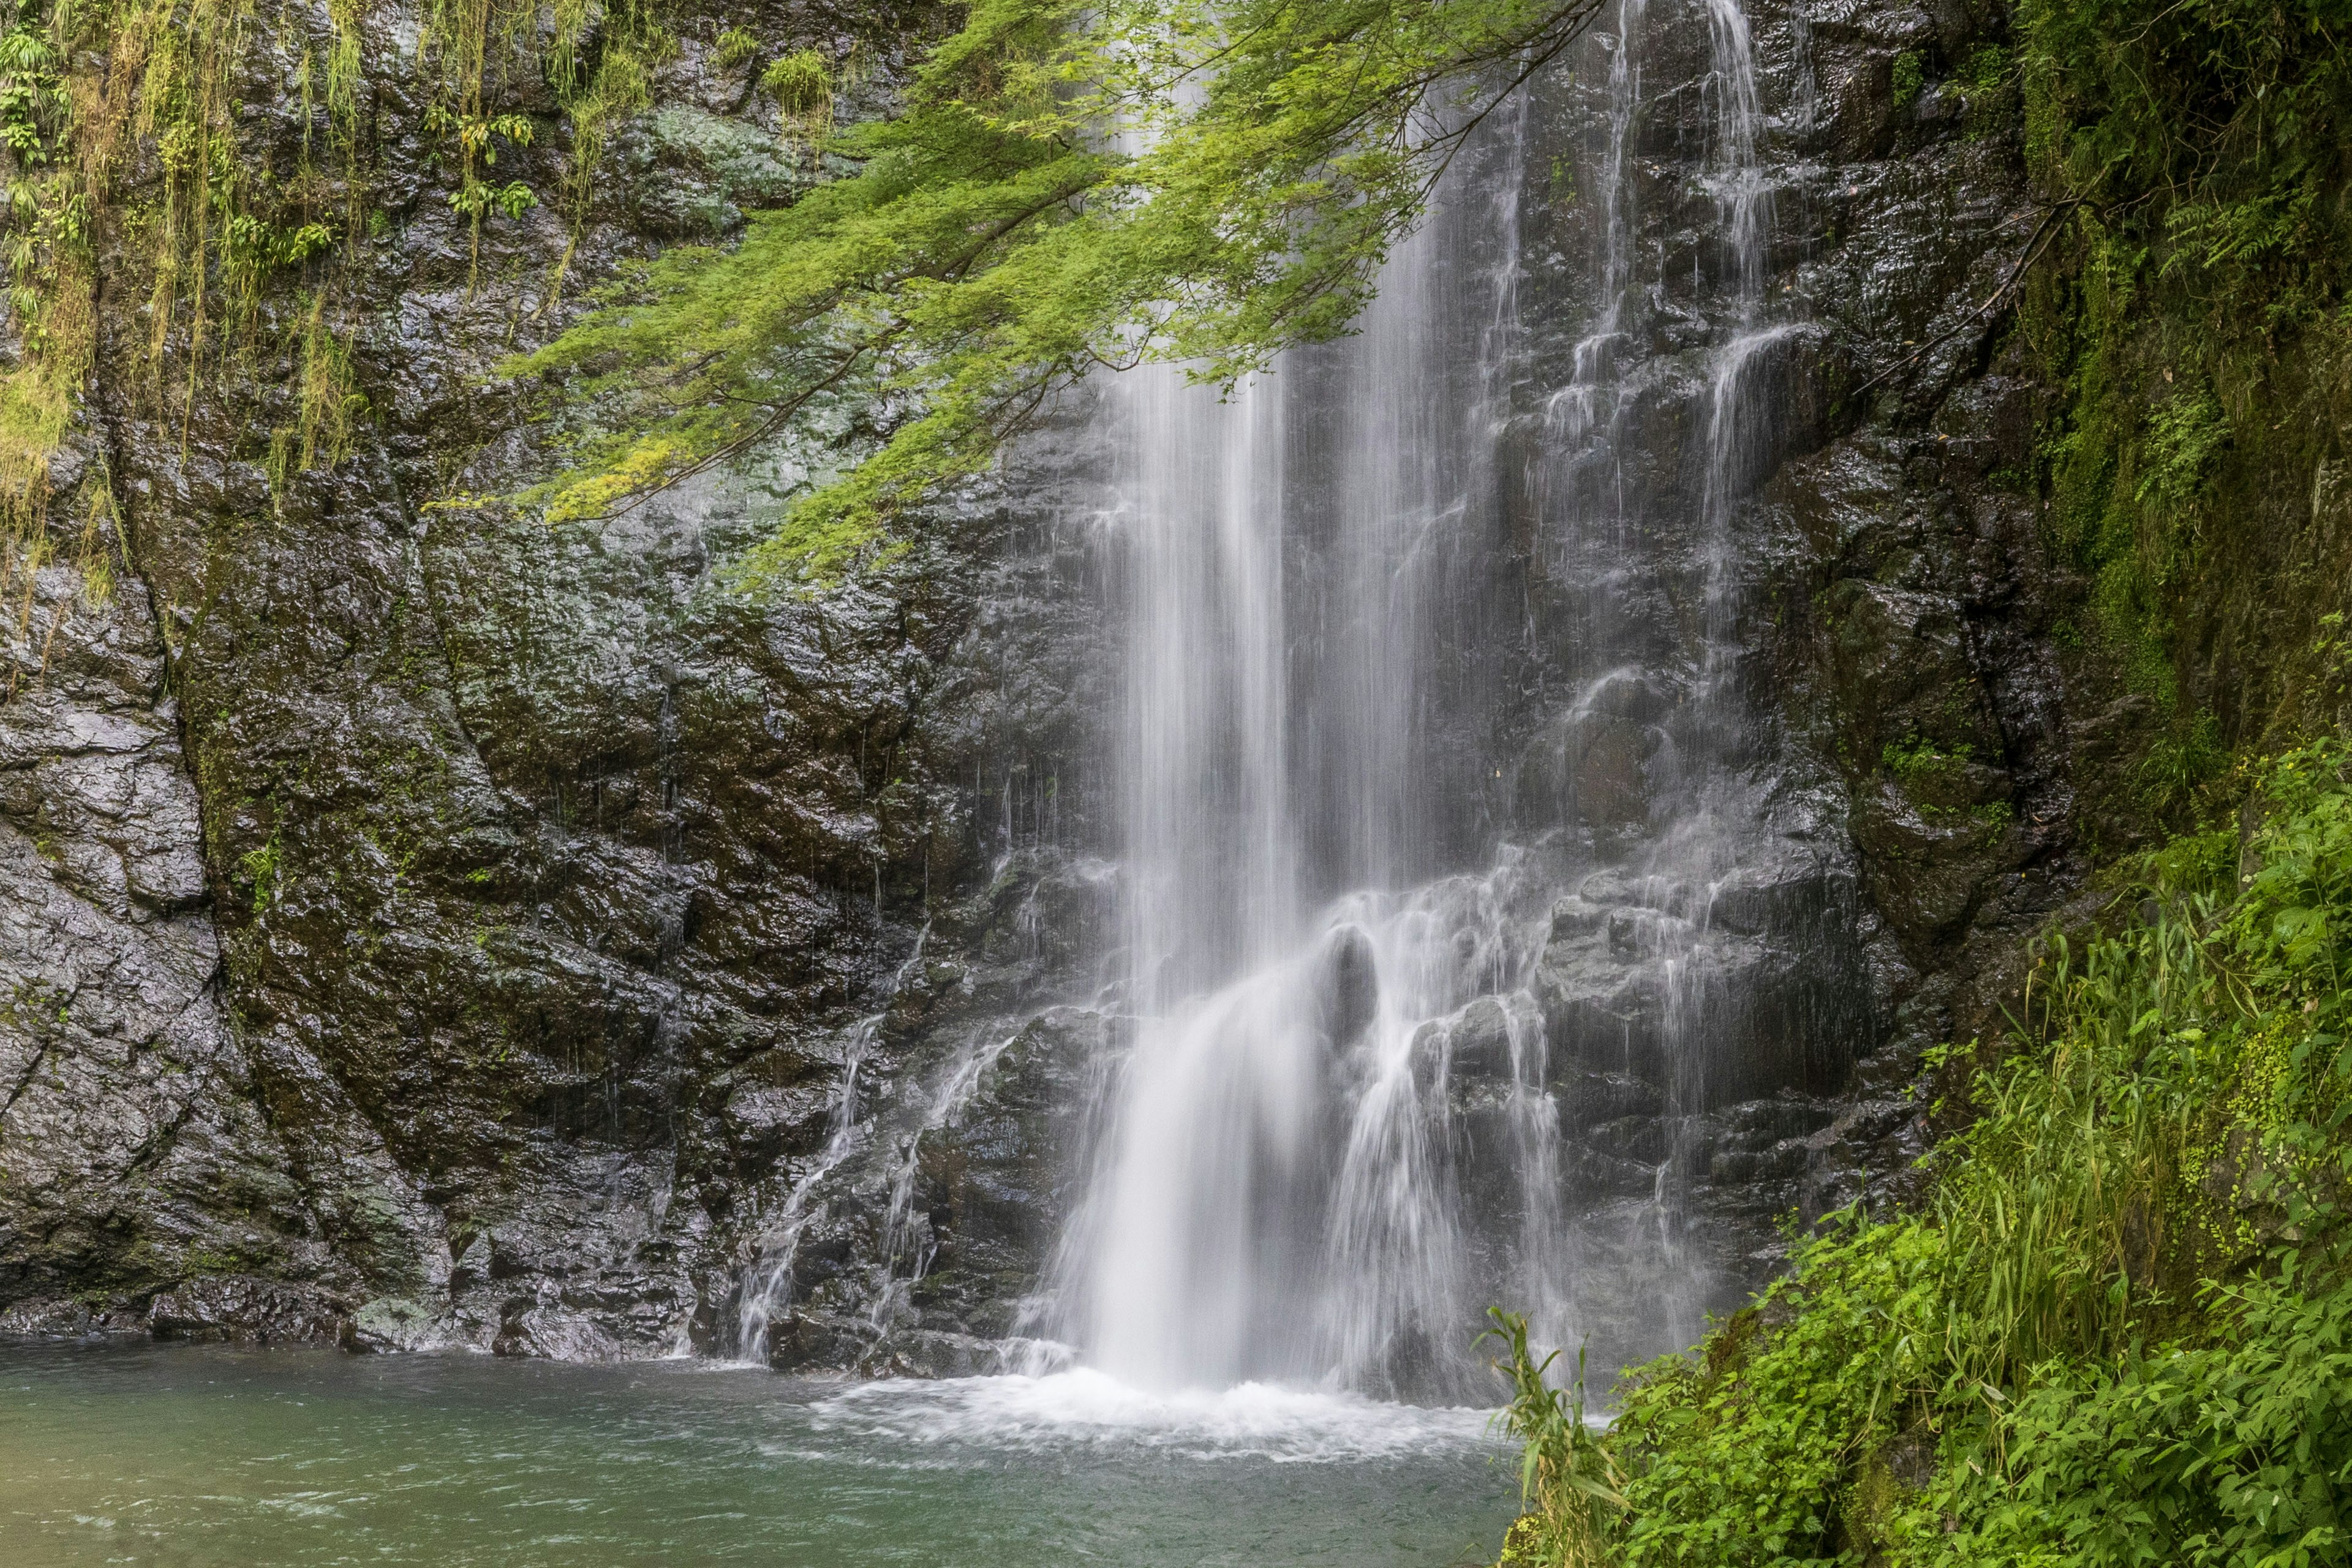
29 93
2121 1332
1066 185
328 403
737 47
599 98
477 134
799 81
2202 149
1742 1457
2232 1453
260 869
1910 75
514 198
2180 761
1990 68
229 229
2186 437
1567 1481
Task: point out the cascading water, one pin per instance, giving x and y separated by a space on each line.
1467 923
1272 1192
1340 1090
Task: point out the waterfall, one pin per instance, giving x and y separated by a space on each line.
1270 1197
1338 1073
1465 909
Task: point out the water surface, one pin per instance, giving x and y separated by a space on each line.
198 1455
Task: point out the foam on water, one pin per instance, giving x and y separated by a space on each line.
1084 1408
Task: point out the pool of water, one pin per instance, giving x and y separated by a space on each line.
197 1455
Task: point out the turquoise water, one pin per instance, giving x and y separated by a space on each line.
193 1455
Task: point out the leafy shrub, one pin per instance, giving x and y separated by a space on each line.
2120 1334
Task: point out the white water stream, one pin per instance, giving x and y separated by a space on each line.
1278 1189
1333 1131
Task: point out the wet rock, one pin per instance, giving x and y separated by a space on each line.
1478 1040
1601 1012
501 846
242 1310
1347 986
391 1323
57 1317
133 1147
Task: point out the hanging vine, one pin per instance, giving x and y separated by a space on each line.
598 96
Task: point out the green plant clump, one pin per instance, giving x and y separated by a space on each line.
737 47
1910 74
2120 1332
801 84
2192 312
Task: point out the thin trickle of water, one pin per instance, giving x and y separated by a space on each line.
1805 111
1699 770
1592 404
907 1252
766 1286
1743 200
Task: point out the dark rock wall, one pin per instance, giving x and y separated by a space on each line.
422 924
440 913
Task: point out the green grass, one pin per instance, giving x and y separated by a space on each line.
2119 1332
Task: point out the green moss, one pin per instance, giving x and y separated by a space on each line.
1935 780
1910 75
2193 315
1990 67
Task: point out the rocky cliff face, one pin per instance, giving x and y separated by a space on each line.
439 916
423 924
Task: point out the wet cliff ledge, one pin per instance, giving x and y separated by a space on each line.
415 920
423 923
